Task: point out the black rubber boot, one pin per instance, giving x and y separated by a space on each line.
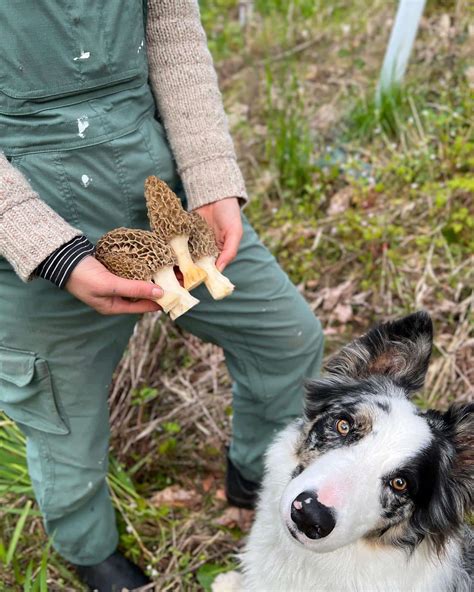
240 492
112 575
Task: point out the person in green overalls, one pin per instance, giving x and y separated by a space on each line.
94 97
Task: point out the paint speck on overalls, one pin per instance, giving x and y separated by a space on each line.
89 485
85 55
141 46
86 180
82 125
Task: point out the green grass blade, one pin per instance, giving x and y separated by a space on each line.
17 533
43 577
28 577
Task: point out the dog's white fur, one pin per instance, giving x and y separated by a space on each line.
273 561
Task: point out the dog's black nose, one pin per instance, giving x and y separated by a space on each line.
311 517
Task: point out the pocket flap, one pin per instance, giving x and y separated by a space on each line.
17 366
26 391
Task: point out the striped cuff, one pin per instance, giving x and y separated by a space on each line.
59 265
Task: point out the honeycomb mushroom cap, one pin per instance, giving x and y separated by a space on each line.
165 212
202 241
140 246
125 266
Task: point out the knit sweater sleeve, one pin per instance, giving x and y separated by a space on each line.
184 83
29 229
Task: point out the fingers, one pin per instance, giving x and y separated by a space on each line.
231 246
122 296
120 306
134 289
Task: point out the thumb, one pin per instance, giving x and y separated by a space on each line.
136 289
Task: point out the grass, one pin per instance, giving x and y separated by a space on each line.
369 208
289 145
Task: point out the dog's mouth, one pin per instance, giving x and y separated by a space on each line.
300 537
293 532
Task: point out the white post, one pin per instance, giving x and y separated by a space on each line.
245 12
400 45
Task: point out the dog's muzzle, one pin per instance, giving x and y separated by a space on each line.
311 517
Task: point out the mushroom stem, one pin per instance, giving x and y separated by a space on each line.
218 285
179 299
169 300
193 275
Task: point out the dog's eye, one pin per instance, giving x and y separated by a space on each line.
399 484
343 427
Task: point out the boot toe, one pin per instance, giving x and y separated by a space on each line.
112 575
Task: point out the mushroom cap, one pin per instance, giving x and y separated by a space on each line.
133 245
125 266
202 241
165 212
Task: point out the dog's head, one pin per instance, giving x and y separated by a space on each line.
370 465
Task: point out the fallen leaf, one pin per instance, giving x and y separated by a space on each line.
340 201
343 313
333 295
326 117
312 284
176 497
312 72
444 26
207 483
233 517
470 76
220 495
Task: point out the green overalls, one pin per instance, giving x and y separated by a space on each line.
77 118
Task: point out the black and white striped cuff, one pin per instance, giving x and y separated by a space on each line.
58 266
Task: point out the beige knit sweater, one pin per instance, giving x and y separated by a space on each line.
184 84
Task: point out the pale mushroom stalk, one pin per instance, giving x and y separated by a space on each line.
192 274
141 255
205 252
170 299
218 285
180 299
173 224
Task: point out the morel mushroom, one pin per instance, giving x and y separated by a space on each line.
173 224
141 255
204 251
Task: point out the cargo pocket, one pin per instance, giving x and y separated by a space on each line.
26 391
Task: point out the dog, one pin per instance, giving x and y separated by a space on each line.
366 492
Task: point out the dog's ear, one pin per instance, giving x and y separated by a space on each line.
400 349
452 491
459 422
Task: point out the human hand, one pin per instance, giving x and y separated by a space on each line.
223 217
107 293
